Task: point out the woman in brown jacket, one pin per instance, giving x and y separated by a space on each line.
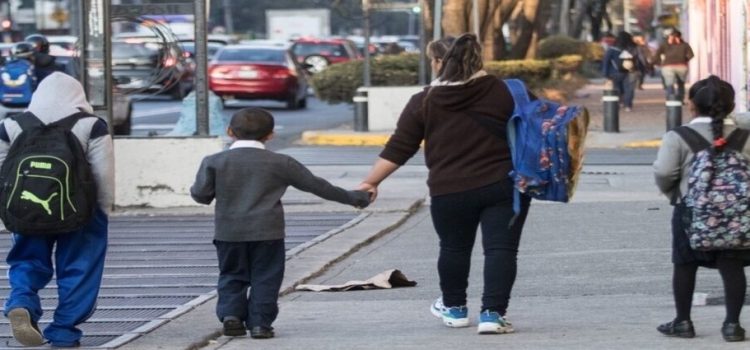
457 117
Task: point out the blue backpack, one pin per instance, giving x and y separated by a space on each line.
546 141
17 83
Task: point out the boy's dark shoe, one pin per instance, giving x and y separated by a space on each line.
234 328
24 329
732 332
682 329
261 332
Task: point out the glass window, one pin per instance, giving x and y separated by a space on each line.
252 55
306 49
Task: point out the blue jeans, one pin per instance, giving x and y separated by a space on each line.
456 218
625 83
79 265
674 75
258 266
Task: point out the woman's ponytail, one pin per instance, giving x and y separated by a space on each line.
463 59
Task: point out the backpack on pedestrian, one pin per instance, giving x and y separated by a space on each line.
547 146
46 183
17 82
718 195
626 61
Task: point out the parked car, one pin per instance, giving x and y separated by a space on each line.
320 53
258 72
188 47
152 67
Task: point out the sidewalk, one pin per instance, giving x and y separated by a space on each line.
642 127
604 284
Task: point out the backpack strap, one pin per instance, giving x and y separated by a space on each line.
737 139
71 120
27 120
520 98
695 141
518 91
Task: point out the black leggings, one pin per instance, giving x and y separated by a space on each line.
456 217
735 284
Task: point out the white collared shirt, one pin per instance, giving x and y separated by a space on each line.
697 120
247 144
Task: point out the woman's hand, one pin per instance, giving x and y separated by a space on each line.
372 189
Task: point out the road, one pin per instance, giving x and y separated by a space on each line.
157 115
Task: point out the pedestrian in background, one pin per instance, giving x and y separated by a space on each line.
620 66
248 182
468 179
79 256
645 59
673 57
710 102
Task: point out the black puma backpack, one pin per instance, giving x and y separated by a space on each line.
46 184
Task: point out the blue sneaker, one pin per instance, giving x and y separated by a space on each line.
491 322
455 316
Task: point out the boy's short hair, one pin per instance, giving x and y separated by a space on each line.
251 124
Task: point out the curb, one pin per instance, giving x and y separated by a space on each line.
352 138
643 144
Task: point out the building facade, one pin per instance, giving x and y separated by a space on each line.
719 31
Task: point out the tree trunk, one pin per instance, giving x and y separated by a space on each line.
456 17
526 30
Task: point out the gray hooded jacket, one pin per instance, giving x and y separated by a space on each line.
57 97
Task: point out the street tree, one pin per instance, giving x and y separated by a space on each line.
524 18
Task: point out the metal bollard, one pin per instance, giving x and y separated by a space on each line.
674 112
611 102
360 110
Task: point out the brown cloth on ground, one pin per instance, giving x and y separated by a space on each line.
384 280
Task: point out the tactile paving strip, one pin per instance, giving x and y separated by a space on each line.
155 266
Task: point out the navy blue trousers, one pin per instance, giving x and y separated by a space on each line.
79 265
456 218
257 266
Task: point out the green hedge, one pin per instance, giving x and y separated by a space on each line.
338 82
560 45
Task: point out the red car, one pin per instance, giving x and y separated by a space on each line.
320 53
258 72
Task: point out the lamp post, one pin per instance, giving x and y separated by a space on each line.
366 34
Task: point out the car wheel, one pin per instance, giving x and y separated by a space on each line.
178 92
292 102
303 103
317 62
124 128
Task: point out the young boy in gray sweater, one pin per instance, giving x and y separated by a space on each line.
248 182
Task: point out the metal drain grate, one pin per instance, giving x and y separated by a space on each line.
156 265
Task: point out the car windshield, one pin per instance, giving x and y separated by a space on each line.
125 50
306 49
252 55
212 48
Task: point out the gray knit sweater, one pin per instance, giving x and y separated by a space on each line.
248 184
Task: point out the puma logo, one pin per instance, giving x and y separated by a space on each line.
44 203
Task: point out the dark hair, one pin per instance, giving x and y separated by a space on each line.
624 40
251 124
463 59
438 48
713 97
676 33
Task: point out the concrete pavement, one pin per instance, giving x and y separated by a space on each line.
593 273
